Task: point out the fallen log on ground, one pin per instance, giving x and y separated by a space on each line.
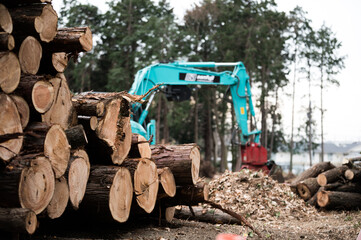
183 160
307 188
331 175
312 172
18 220
339 200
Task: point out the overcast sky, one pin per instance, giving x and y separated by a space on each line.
343 115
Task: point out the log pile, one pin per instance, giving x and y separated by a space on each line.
329 187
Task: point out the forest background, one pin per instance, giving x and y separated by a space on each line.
285 55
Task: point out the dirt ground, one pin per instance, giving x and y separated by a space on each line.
327 225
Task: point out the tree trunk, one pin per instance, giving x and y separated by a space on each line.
140 147
77 175
213 216
76 137
166 179
183 161
9 123
109 190
61 111
53 63
312 172
23 109
331 175
71 40
18 220
7 42
38 20
307 188
28 182
6 22
30 54
145 182
339 200
10 72
60 199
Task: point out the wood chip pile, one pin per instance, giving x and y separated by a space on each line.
62 153
330 188
257 196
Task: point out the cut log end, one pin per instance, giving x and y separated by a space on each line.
30 54
57 149
93 123
9 123
349 174
7 42
6 23
146 184
31 222
46 24
23 109
169 214
42 96
87 40
304 191
78 177
322 180
60 61
167 181
121 195
60 199
10 72
18 220
37 184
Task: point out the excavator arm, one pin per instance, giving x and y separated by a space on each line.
178 74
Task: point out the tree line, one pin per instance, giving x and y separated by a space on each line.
132 34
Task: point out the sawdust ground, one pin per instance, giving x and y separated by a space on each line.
328 225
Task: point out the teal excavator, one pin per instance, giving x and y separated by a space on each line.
175 79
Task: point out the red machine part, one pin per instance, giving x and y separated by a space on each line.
254 157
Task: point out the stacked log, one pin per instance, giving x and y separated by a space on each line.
329 187
43 164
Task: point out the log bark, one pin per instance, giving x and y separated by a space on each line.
140 147
313 200
167 182
53 63
339 200
145 182
190 195
30 54
76 136
61 112
38 20
331 175
60 199
345 187
213 216
18 220
9 123
23 109
10 72
88 107
109 190
78 175
6 23
71 40
183 161
312 172
307 188
90 123
28 182
7 42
